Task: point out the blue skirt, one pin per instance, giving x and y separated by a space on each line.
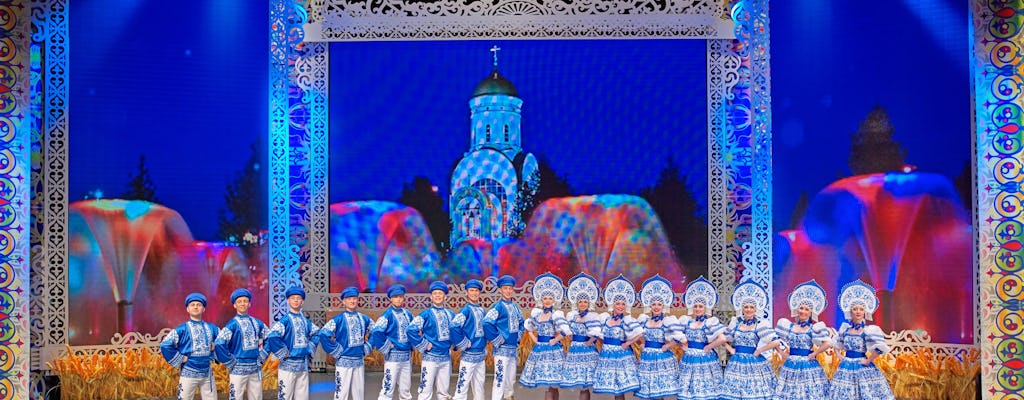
616 371
748 377
855 381
801 379
580 364
659 373
543 366
700 374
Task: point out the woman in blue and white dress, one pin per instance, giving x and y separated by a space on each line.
584 327
616 365
858 377
801 377
700 372
748 374
658 368
547 325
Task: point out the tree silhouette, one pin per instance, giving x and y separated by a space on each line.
872 148
677 209
529 187
964 184
422 196
551 186
244 201
799 210
140 185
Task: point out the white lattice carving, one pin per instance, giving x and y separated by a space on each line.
341 20
722 76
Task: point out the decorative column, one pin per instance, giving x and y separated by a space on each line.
740 221
15 186
999 140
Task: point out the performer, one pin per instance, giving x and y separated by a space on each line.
748 374
344 338
468 336
430 333
658 369
544 365
700 372
616 365
503 327
389 336
857 376
293 339
239 347
190 348
801 377
584 327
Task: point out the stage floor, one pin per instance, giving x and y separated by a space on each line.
321 387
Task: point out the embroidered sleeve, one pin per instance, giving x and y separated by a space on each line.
169 349
875 339
819 334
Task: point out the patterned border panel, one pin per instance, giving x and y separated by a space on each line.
722 77
38 203
55 218
313 67
746 169
757 258
342 20
999 117
286 19
15 186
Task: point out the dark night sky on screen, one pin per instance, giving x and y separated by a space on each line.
187 87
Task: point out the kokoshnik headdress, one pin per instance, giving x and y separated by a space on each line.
617 289
808 294
583 287
858 293
548 285
749 292
657 289
703 292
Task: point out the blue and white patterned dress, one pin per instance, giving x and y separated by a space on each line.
748 376
544 365
700 372
658 369
854 380
581 360
616 372
801 378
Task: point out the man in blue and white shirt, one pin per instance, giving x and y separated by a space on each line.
503 327
344 338
239 346
468 336
430 333
390 337
190 348
293 339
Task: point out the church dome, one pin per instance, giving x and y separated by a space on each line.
495 83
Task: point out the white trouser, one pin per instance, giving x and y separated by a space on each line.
435 375
396 374
248 387
471 378
348 380
187 388
293 385
504 377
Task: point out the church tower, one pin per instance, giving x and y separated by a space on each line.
490 180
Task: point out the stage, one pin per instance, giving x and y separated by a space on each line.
328 144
